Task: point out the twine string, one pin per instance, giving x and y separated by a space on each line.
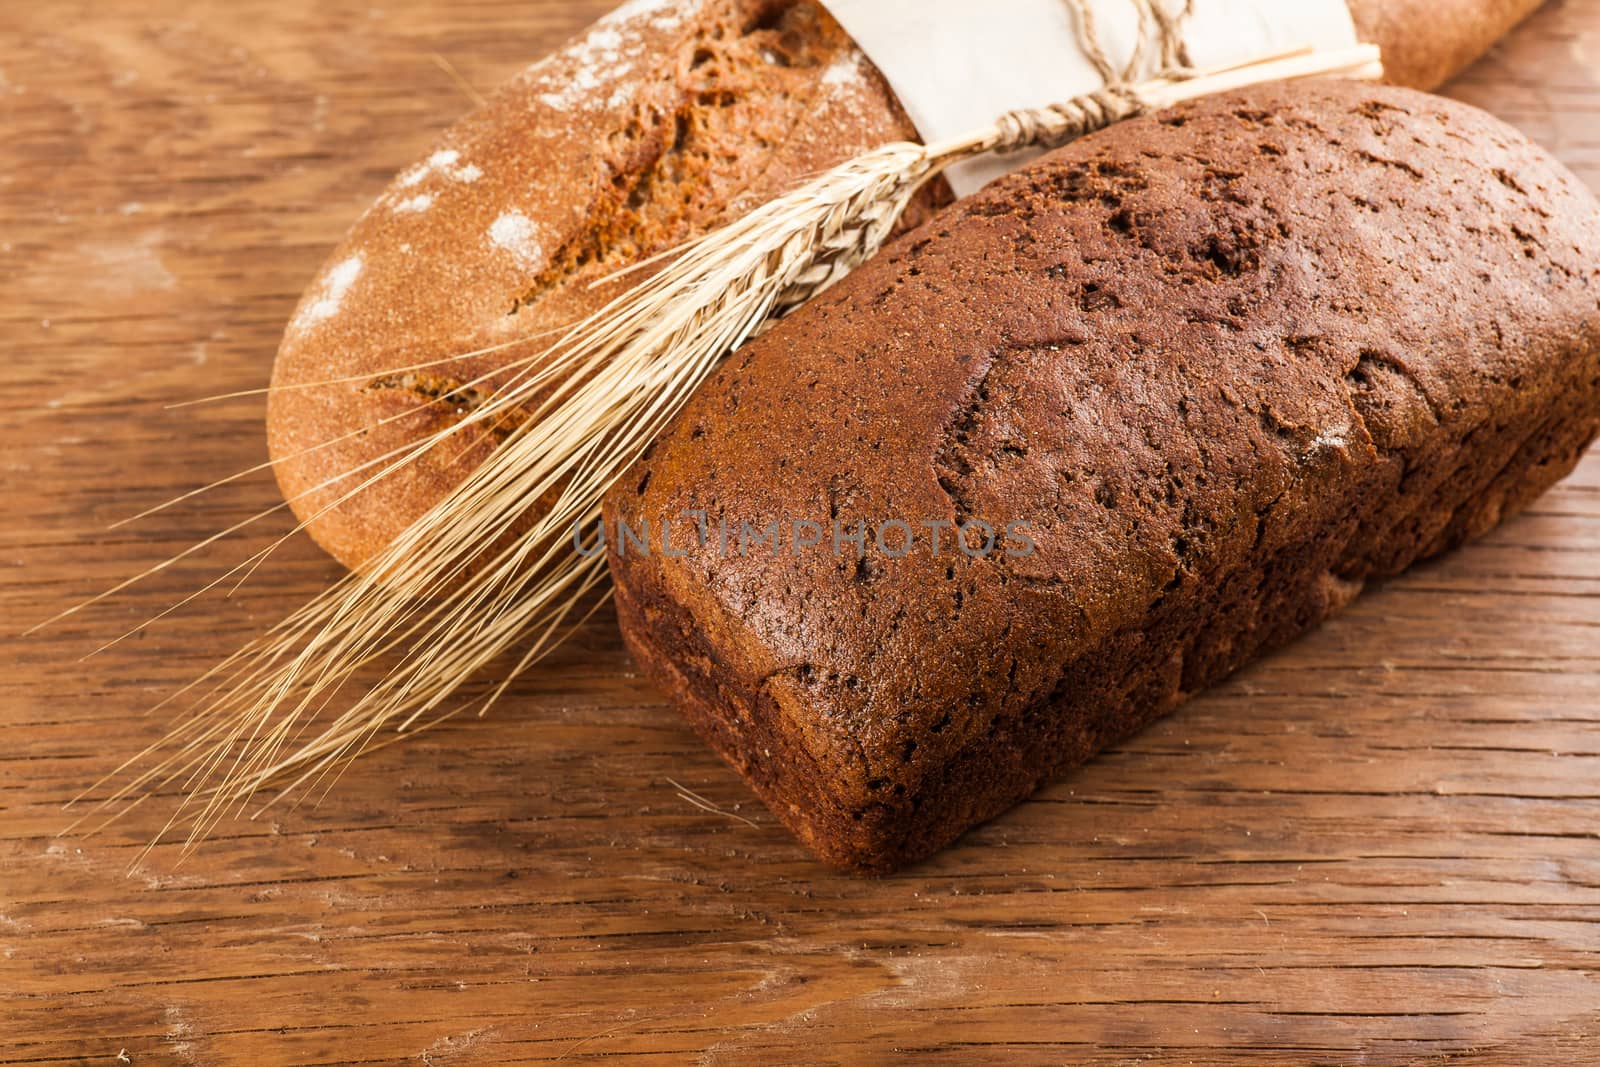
1066 120
1174 46
1161 33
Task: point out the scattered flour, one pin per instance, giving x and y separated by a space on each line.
844 72
330 295
514 232
1337 437
845 82
604 56
603 40
123 268
179 1032
663 14
420 202
447 163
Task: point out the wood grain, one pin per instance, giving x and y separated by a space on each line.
1377 847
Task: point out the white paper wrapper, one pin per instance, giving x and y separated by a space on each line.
957 65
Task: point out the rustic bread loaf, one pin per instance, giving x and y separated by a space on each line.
664 120
1227 363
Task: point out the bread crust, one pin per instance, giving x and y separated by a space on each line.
1230 363
1427 42
664 120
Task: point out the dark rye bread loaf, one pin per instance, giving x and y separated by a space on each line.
1230 363
665 119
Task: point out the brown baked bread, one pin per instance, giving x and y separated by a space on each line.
1425 42
1227 363
663 121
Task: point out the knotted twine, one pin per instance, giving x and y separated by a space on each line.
890 175
1054 125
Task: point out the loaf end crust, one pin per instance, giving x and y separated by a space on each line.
1232 362
1427 42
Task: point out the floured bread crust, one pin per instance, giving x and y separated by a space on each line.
667 118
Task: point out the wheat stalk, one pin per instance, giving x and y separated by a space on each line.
471 579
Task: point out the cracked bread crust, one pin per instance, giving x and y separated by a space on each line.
1231 362
666 119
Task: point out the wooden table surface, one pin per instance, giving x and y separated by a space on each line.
1380 846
